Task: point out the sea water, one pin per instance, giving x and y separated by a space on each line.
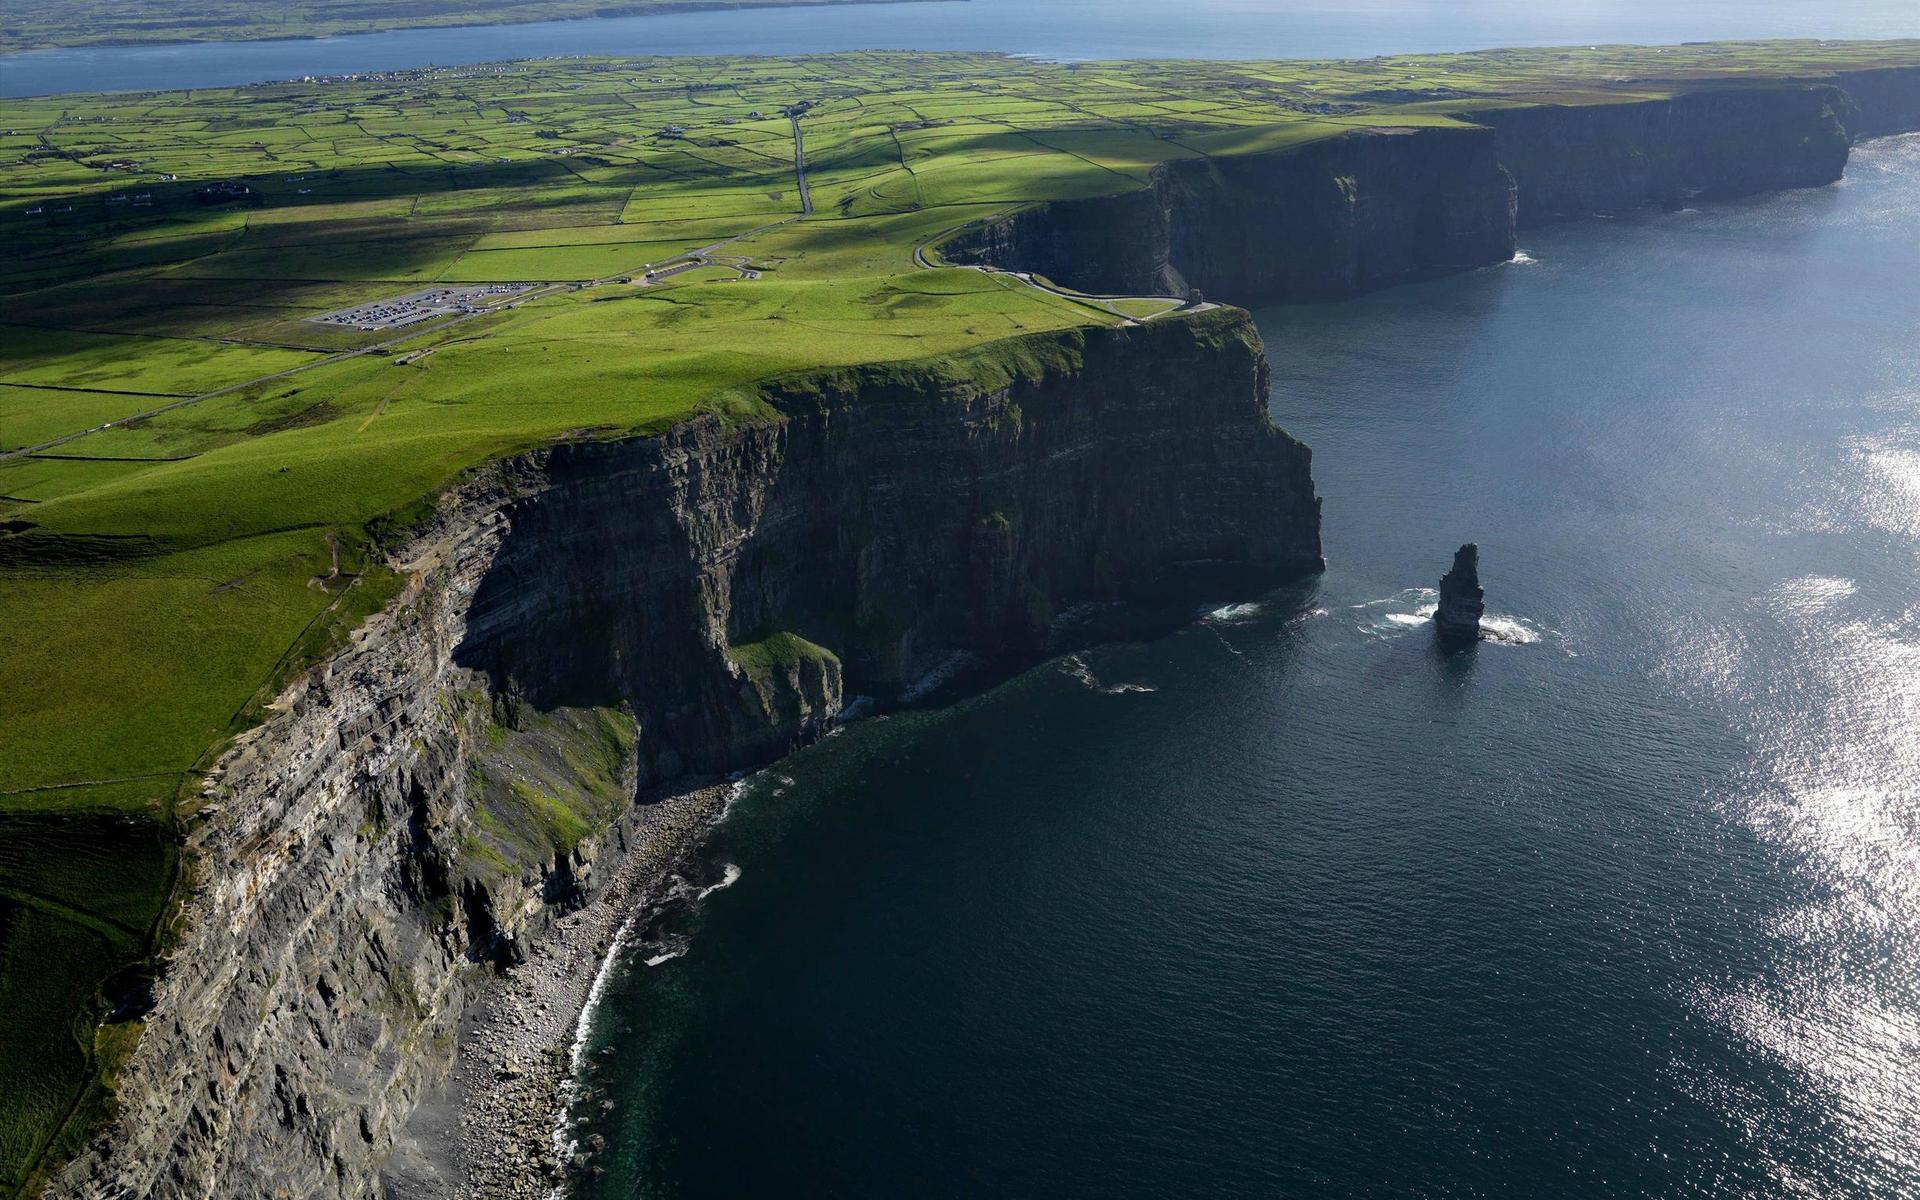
1291 903
1058 29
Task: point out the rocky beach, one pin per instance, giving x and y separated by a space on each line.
493 1132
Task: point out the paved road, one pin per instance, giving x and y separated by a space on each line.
1102 303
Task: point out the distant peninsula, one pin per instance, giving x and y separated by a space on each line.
72 23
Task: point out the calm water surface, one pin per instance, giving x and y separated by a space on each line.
1289 904
1049 28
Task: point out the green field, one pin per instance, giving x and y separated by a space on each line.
162 575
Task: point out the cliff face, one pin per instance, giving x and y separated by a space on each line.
1576 160
1886 100
1369 210
1330 219
589 619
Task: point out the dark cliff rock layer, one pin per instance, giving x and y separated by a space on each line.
1329 219
898 516
1886 100
1368 210
1462 600
590 618
1576 160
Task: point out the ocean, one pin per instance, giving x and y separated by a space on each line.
1624 902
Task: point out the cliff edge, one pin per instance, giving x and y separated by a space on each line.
591 622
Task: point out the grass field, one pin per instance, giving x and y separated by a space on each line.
160 573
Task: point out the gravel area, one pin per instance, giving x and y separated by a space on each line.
490 1134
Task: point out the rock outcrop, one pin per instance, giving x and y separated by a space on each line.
593 619
1323 221
1462 600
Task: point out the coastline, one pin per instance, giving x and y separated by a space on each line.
494 1128
667 8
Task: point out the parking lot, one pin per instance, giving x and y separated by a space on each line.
420 306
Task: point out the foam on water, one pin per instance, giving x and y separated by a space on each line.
1406 611
1233 614
728 877
1076 666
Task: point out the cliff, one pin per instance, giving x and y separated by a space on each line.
1333 218
592 620
1374 208
1575 160
1886 100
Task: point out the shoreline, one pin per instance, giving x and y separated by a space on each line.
496 1128
667 9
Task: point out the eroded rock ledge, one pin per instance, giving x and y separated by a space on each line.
591 621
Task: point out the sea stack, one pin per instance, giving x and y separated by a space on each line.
1462 600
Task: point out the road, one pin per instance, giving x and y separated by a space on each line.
1099 303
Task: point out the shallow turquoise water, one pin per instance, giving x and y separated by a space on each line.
1625 905
1083 29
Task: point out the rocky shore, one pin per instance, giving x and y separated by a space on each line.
489 1134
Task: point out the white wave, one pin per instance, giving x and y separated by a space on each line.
666 956
728 877
1414 608
563 1145
584 1023
737 786
1392 616
1232 613
1077 667
1511 631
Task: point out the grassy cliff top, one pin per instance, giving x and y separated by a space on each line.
193 471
